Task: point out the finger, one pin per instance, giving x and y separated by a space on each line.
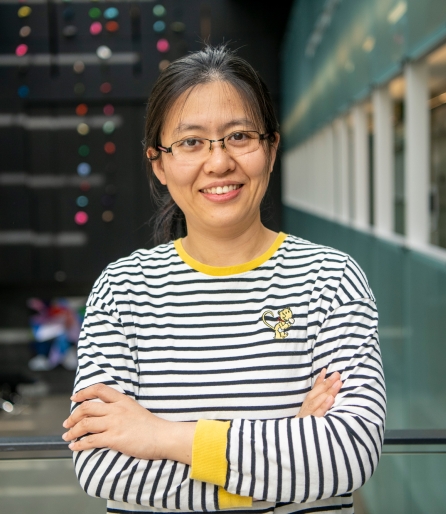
323 387
89 442
334 377
310 407
335 388
85 426
320 379
105 393
324 408
85 409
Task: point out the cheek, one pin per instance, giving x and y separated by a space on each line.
256 166
178 178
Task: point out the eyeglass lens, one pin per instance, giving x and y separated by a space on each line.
236 144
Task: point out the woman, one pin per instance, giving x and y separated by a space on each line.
206 356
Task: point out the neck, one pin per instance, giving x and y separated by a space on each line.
228 249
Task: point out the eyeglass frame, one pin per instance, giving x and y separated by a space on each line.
262 137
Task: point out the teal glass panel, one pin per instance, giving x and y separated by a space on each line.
365 43
410 289
405 484
426 22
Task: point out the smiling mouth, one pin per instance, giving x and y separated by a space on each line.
221 190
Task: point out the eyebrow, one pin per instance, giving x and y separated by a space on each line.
182 127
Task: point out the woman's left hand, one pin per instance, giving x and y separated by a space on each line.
118 422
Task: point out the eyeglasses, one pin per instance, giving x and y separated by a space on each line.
193 149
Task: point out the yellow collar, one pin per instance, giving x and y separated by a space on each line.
221 271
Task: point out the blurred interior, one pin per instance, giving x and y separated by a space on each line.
360 89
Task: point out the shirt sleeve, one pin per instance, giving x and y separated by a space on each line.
307 459
107 355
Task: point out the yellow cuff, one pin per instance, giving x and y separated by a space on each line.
231 501
209 462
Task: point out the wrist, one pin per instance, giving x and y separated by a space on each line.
178 438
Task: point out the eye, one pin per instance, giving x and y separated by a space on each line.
191 142
239 136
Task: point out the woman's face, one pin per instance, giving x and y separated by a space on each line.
213 111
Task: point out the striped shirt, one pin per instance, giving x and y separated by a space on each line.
237 348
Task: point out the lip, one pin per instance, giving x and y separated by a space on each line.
224 197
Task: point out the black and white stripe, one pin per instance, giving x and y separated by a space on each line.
191 346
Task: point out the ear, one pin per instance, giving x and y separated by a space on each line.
157 165
274 149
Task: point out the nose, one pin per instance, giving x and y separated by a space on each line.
218 160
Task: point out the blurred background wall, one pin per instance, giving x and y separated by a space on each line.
364 171
74 81
360 86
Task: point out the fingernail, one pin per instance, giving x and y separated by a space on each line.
70 446
64 424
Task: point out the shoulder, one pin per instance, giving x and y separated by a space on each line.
141 260
140 266
342 268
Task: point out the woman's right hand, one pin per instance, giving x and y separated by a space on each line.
321 398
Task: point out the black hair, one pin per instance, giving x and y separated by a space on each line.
207 65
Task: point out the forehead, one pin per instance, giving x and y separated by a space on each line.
210 106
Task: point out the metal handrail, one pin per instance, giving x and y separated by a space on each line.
55 443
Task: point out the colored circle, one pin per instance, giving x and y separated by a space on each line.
105 87
85 186
68 13
108 127
162 45
79 88
159 10
25 31
80 218
23 91
95 28
24 11
104 52
94 13
111 13
83 129
81 109
21 50
159 26
60 276
107 216
178 26
110 148
163 64
107 200
84 150
82 201
83 169
108 110
69 31
78 67
112 26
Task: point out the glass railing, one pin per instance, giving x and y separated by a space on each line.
37 477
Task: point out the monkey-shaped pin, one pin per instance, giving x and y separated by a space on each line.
284 322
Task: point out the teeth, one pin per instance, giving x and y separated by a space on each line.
221 190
